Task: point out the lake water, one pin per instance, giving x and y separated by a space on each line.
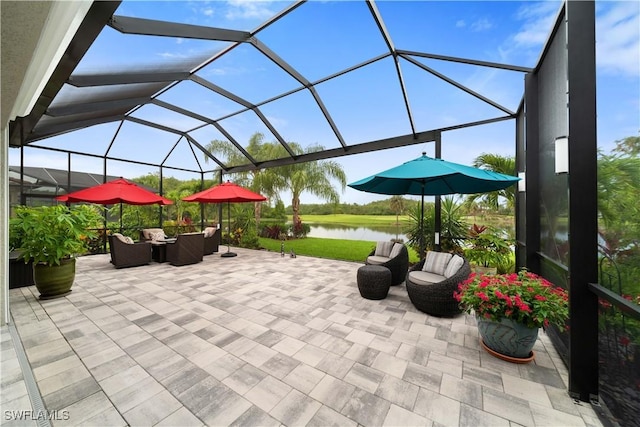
333 231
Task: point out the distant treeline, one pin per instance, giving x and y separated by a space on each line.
380 207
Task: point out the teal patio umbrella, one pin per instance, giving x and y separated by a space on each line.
426 176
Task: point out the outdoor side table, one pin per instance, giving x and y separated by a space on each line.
374 281
159 249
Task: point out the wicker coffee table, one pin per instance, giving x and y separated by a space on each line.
374 281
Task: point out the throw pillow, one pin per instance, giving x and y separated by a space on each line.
383 249
397 248
436 262
146 232
454 265
209 231
157 235
123 239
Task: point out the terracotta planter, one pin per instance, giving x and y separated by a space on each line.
53 281
508 338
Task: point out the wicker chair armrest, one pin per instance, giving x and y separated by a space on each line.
418 266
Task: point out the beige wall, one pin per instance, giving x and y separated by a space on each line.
34 35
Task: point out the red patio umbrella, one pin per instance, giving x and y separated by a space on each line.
116 191
226 192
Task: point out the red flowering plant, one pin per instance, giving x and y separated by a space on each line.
523 297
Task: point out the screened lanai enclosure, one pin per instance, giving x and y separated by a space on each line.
124 97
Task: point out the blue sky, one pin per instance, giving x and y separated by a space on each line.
321 38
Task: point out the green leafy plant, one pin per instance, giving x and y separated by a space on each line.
488 247
49 234
273 231
523 297
452 232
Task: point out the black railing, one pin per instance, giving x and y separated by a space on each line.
618 345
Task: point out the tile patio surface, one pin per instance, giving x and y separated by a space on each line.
261 340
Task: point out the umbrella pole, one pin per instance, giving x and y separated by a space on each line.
228 254
422 224
120 217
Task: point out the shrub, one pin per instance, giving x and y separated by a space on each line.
273 231
298 229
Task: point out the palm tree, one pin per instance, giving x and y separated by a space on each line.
501 164
313 177
397 205
256 180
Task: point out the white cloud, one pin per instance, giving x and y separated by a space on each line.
538 19
618 39
482 24
248 9
170 55
208 11
460 24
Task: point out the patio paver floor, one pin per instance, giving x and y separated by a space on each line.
263 340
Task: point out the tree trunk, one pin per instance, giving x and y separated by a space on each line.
257 211
295 205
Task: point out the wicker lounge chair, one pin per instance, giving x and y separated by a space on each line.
212 243
398 264
437 298
187 249
128 254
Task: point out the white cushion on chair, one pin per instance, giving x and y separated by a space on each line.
377 260
397 248
454 265
436 262
383 249
425 278
209 231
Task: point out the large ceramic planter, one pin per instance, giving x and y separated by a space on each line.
53 281
508 338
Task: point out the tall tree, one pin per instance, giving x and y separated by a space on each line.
396 203
253 179
629 146
312 177
501 164
618 189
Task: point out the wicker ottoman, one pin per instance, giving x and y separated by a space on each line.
374 281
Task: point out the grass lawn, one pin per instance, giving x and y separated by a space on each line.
348 250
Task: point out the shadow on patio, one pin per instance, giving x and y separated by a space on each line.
265 340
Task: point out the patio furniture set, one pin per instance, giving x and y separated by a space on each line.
154 245
430 283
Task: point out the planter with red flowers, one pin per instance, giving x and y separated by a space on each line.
510 309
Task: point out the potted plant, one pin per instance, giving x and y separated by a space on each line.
510 308
51 237
489 249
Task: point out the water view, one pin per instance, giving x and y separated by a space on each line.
368 233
